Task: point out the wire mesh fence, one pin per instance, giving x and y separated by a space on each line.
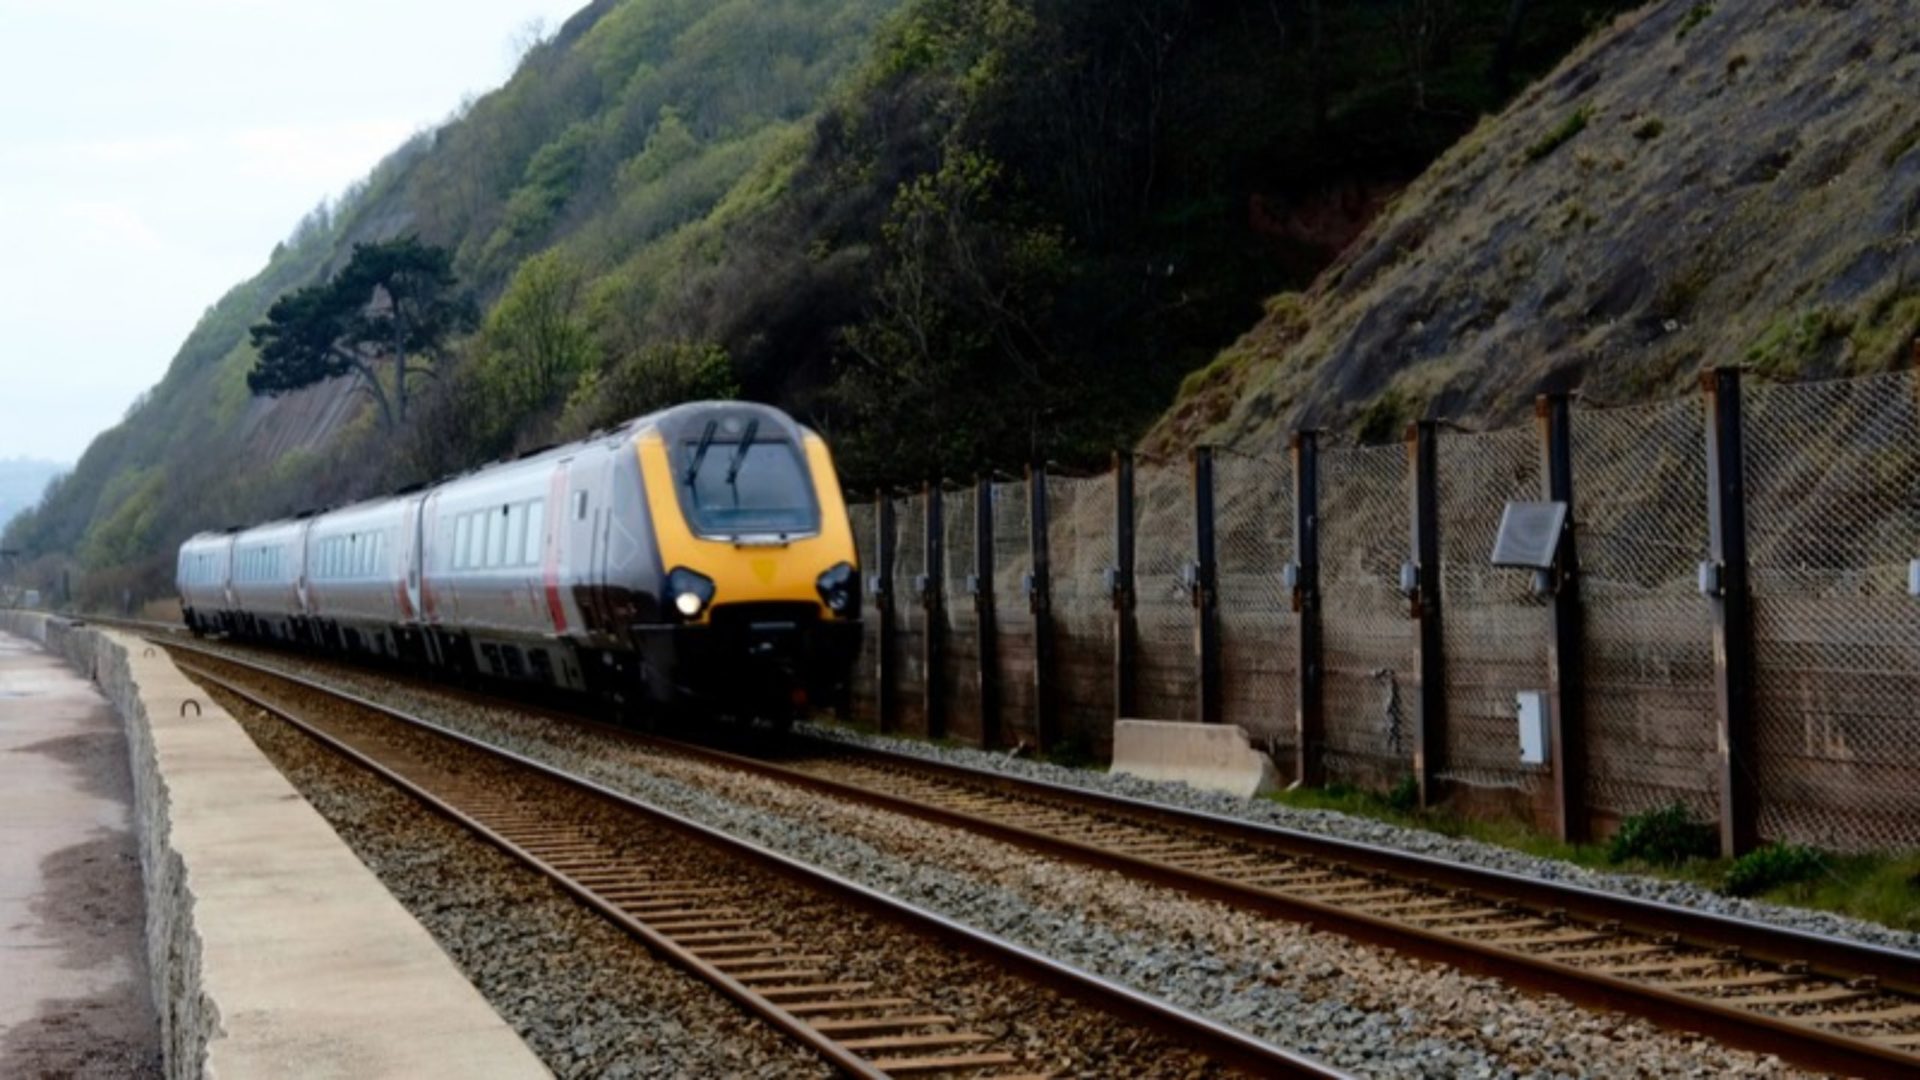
1366 636
864 693
910 613
1494 626
1833 512
1166 673
1013 610
1080 544
1259 637
1640 493
1832 498
960 649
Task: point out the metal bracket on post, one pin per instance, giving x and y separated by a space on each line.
1732 607
935 638
1567 743
1422 585
986 638
886 675
1310 715
1126 631
1044 710
1206 592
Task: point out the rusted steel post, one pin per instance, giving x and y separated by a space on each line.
1126 630
1044 676
887 674
986 639
1430 660
1310 722
1725 581
1567 742
935 639
1206 592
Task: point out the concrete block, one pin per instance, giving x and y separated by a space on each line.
1210 757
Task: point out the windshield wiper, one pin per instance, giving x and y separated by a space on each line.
700 455
740 455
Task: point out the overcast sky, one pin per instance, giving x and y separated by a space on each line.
152 152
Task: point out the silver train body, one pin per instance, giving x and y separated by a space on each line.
701 554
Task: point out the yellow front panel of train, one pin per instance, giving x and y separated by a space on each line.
750 574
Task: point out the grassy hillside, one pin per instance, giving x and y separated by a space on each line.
1704 184
956 234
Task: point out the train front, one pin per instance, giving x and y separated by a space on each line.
761 585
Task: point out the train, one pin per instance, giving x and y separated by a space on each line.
700 557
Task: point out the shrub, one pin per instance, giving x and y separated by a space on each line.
1694 17
1776 864
1667 836
1574 124
1405 796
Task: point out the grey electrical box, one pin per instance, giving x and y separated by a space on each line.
1529 536
1531 707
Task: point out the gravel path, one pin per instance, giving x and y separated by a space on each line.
1046 1030
1359 1007
1363 830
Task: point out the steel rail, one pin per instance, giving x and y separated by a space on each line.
1843 961
1210 1038
1850 962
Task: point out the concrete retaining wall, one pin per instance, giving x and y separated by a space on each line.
273 950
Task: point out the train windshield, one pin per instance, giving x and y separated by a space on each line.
747 487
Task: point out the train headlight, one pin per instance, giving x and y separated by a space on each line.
840 589
691 592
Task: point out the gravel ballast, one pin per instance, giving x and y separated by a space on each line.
1365 831
1358 1007
1042 1028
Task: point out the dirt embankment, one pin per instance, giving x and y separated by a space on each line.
1701 184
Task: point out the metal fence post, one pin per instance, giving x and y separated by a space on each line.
1042 600
1430 735
1206 593
887 677
1126 631
1724 580
987 642
935 637
1310 715
1567 741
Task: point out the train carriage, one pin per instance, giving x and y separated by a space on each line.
268 563
201 575
356 589
700 555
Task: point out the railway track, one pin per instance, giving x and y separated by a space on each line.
1824 1003
632 870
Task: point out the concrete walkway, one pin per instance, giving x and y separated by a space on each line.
74 997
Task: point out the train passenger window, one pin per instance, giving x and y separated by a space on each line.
579 506
476 541
516 534
496 539
536 531
460 526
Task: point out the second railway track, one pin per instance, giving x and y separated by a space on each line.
1820 1002
637 873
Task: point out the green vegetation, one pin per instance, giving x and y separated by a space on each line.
1668 836
1695 15
1792 343
1770 867
1016 225
1884 889
392 302
1563 133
